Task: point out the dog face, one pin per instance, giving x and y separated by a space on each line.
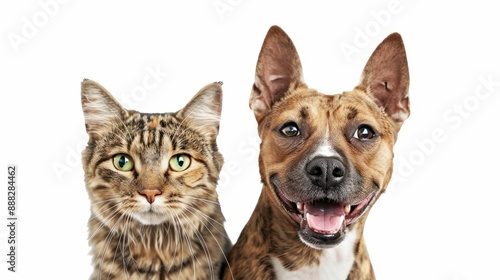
327 158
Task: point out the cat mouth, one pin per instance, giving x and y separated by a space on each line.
149 216
322 221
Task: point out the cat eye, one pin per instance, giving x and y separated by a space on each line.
364 132
123 162
290 129
180 162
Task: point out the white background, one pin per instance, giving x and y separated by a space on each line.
439 218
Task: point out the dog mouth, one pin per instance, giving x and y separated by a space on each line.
322 221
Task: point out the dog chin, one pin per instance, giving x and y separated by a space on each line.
320 241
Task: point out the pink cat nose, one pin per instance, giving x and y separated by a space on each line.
150 194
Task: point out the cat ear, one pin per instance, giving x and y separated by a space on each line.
387 79
278 71
204 110
100 109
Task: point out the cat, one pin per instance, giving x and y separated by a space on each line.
151 180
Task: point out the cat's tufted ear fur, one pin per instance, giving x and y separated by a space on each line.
204 110
100 108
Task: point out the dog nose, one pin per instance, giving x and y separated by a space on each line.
150 194
325 171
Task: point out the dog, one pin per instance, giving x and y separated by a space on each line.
324 161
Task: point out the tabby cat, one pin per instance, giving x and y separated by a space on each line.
151 180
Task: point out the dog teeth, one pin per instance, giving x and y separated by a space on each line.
347 208
300 206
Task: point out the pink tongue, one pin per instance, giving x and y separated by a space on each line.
323 217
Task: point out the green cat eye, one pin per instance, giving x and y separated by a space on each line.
180 162
123 162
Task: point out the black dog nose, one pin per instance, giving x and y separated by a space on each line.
325 171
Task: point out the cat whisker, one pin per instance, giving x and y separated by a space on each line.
202 241
209 219
111 209
208 201
130 238
102 223
107 242
109 214
189 244
102 201
121 238
178 239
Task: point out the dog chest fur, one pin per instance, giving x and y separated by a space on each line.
335 263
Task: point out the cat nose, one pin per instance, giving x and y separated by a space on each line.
150 194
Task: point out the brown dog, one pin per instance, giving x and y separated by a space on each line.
324 161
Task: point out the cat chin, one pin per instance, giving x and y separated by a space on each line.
149 218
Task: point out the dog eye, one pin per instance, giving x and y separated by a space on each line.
290 130
364 132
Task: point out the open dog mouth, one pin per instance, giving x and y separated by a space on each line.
324 221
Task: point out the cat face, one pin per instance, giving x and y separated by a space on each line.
151 168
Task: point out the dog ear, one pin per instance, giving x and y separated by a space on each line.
278 71
387 79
